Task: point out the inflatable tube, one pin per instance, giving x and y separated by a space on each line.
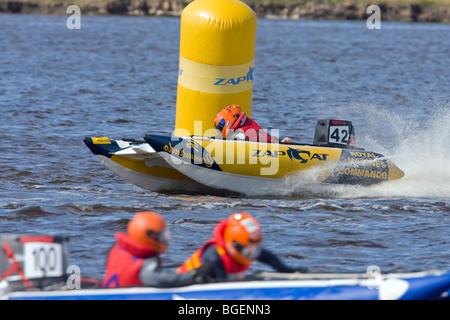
217 49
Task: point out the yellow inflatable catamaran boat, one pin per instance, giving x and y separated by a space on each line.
206 164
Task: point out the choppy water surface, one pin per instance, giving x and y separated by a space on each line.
117 77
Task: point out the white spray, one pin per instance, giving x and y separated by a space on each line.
421 148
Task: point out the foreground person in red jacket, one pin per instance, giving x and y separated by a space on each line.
236 244
235 125
135 260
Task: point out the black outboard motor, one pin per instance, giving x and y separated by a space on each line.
335 133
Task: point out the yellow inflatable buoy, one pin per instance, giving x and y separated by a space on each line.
217 50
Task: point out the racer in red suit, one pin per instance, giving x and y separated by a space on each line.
135 260
235 125
236 244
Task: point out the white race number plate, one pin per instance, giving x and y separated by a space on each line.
339 134
42 259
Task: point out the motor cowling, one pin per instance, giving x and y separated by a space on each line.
335 133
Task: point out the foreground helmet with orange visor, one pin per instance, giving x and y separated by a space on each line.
149 228
243 238
226 118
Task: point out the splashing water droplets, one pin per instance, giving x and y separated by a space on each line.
418 142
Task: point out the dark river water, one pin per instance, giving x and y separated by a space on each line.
117 77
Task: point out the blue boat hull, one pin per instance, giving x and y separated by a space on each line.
419 286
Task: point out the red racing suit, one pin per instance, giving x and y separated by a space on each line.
224 265
247 129
125 262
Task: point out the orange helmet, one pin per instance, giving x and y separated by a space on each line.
243 238
235 109
149 228
226 118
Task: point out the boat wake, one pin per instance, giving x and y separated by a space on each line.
419 148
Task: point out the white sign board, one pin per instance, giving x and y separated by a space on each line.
339 134
43 259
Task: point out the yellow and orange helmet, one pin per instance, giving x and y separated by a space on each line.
243 238
226 118
149 229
